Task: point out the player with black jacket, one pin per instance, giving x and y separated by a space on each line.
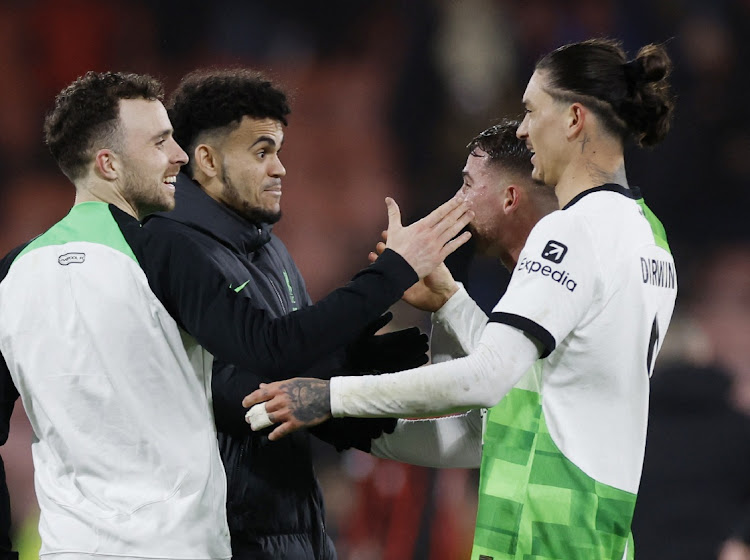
230 122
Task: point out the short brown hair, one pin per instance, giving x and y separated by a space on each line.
86 115
504 147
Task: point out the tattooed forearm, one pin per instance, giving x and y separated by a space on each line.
310 398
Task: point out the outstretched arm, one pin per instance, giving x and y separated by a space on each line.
191 286
478 380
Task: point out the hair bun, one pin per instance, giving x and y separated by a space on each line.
653 63
634 72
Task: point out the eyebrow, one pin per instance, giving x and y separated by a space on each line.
270 139
165 132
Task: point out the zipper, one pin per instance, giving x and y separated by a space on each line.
278 295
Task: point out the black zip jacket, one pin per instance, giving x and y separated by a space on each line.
274 503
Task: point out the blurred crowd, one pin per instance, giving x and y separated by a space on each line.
385 96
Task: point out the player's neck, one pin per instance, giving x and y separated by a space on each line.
98 191
588 172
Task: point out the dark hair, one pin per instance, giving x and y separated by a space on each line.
212 99
504 147
632 98
86 116
506 150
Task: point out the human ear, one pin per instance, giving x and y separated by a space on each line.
106 164
575 120
511 199
206 160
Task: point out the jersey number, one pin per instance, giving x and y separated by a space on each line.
652 347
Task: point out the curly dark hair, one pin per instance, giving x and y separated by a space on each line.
632 97
503 147
86 116
216 100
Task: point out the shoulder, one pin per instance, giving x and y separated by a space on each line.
278 245
557 233
8 260
159 231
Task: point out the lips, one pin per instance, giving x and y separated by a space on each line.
169 182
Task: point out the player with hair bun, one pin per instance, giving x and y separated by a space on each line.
566 355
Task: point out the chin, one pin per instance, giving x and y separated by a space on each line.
260 215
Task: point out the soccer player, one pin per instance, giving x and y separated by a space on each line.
588 306
108 334
232 122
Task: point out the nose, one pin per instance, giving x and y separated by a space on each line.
278 170
178 154
523 130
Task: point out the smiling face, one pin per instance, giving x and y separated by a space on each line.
484 186
543 130
150 156
251 171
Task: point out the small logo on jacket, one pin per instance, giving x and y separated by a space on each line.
239 288
69 258
554 251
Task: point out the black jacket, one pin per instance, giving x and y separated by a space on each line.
274 503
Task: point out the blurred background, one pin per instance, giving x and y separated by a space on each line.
385 95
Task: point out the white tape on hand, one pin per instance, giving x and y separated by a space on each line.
257 417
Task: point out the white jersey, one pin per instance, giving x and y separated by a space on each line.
596 286
119 397
562 450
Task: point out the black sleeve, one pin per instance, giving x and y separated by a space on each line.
193 289
230 385
8 396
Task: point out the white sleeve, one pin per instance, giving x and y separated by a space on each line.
450 442
456 327
555 282
479 380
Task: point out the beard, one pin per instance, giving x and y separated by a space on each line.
145 198
252 214
479 242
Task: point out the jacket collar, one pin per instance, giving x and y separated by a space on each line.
197 210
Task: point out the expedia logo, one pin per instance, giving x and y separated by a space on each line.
559 276
70 258
554 251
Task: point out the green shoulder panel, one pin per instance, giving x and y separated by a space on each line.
660 234
91 222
